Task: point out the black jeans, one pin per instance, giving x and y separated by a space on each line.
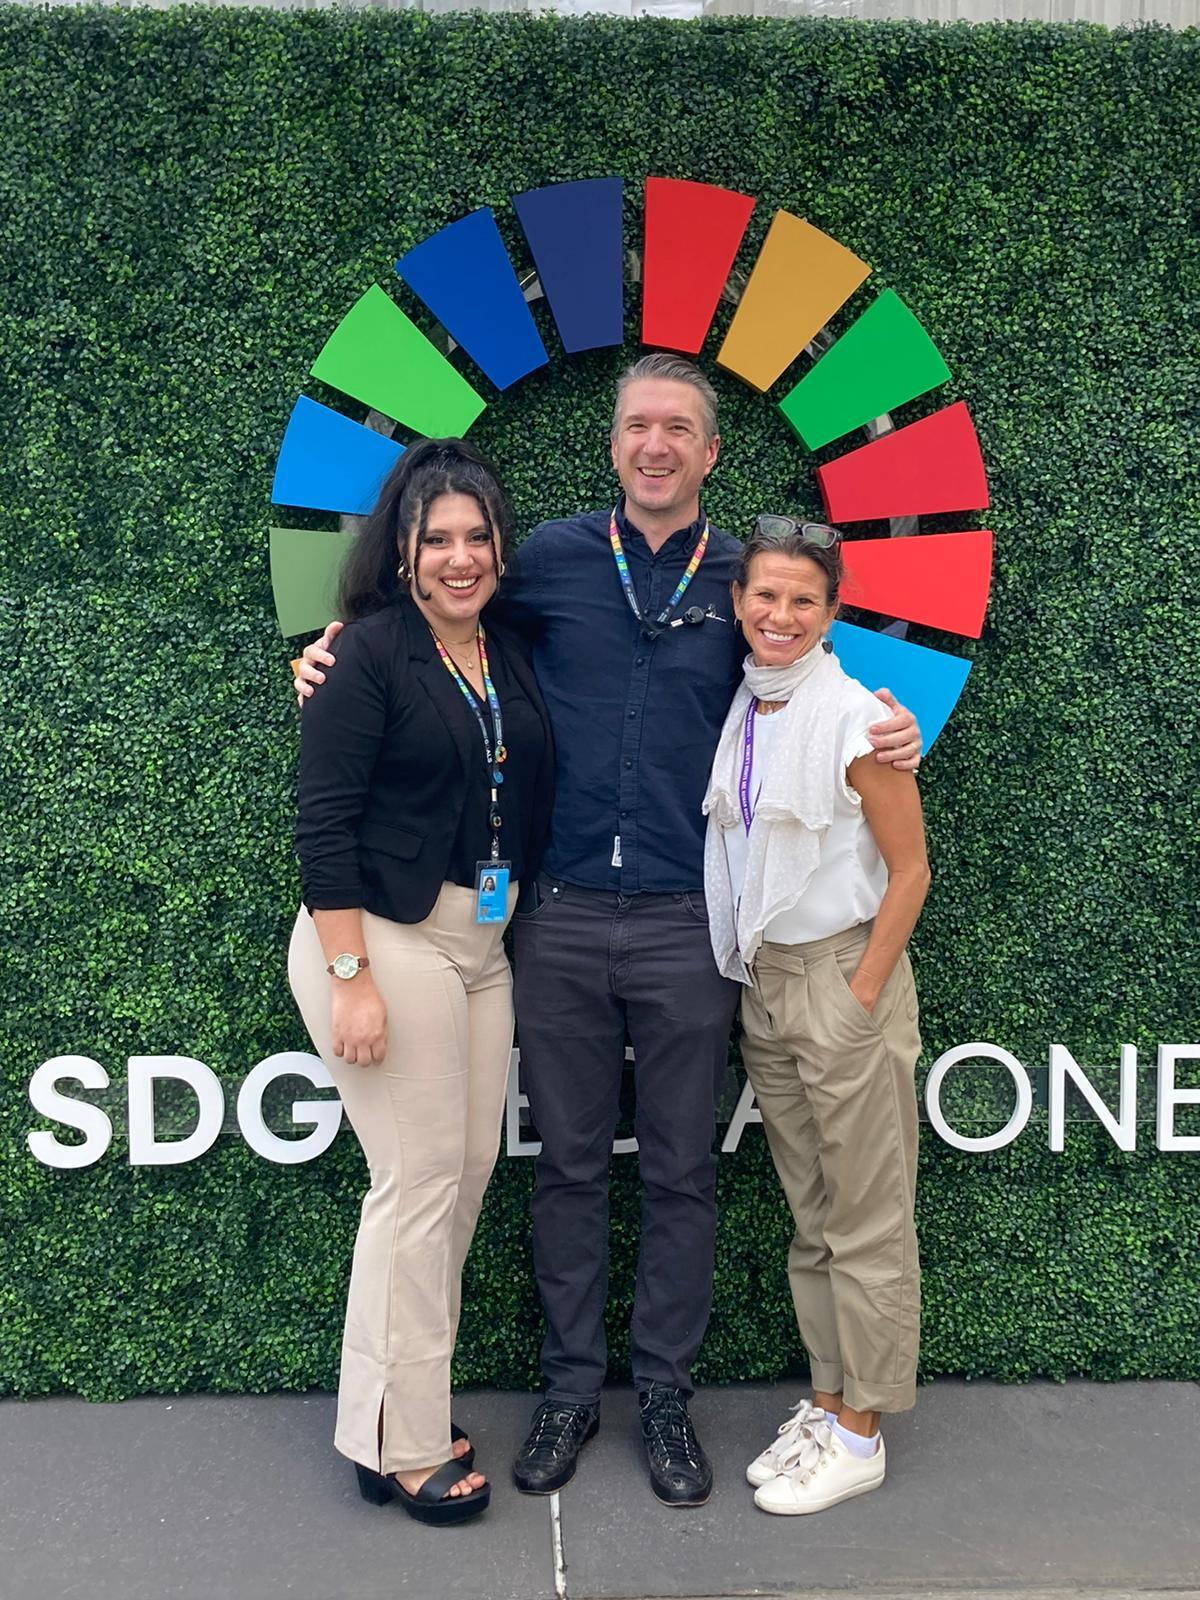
589 966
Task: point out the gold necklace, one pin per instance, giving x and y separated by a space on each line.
452 645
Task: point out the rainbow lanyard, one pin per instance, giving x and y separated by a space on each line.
493 745
614 538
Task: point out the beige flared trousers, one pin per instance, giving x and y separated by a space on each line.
835 1087
428 1119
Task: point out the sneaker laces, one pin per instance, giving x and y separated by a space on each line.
667 1426
807 1449
552 1425
804 1414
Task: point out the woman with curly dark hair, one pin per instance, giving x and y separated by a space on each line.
424 797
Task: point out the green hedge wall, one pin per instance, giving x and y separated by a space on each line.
189 201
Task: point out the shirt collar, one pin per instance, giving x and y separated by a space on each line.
684 540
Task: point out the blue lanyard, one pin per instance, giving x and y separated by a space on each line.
495 753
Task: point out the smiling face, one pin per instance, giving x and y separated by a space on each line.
784 609
455 567
661 452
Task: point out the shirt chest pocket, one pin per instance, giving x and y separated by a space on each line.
706 651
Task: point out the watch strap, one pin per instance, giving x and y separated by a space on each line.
363 961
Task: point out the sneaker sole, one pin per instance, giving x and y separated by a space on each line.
818 1505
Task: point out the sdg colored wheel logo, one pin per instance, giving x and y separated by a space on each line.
693 231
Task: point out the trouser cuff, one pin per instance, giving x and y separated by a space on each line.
827 1376
560 1397
880 1396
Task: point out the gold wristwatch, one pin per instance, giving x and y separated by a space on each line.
347 966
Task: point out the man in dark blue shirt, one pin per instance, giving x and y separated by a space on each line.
635 717
630 620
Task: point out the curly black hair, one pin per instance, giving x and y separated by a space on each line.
369 577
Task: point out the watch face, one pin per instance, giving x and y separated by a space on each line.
345 966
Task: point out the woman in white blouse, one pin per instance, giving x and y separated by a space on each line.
815 874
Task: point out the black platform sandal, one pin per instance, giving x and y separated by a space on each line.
468 1456
432 1502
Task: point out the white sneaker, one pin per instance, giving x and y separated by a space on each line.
819 1472
770 1463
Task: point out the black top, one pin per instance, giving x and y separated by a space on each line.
524 738
392 771
636 722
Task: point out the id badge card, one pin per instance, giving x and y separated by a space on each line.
491 890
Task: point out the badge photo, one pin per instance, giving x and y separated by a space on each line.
491 890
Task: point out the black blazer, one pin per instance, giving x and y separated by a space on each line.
384 756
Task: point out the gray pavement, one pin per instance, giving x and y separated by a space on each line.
1028 1492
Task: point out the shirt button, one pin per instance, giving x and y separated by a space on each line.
639 661
632 714
628 764
624 813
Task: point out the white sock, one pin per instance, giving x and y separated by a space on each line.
855 1443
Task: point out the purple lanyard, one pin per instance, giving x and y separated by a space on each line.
747 766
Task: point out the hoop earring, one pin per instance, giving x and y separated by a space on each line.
502 571
403 573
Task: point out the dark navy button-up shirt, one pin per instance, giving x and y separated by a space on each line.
636 720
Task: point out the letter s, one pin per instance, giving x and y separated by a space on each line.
45 1099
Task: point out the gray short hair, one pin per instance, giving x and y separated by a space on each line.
672 369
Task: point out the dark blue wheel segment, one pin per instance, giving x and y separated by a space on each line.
574 235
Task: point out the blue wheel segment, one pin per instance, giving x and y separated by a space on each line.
464 276
928 682
329 462
574 235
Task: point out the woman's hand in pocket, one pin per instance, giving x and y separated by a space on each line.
359 1021
866 991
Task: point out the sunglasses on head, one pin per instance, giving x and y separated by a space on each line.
820 534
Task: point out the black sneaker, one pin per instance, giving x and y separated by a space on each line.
557 1434
680 1472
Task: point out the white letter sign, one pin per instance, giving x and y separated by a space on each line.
325 1116
145 1150
1122 1128
1169 1097
933 1104
90 1120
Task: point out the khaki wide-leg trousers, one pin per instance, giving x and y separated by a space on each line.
428 1119
834 1084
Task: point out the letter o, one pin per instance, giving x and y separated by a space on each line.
1015 1123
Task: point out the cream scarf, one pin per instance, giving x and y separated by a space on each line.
793 810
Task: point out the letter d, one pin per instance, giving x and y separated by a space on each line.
144 1149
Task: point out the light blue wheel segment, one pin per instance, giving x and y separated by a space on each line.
329 462
928 682
464 276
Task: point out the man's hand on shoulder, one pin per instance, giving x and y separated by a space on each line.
898 740
307 668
